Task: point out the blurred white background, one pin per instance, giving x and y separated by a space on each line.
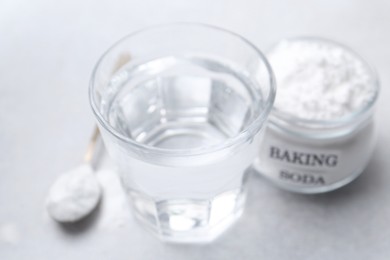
47 52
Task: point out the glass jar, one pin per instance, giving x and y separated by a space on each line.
314 156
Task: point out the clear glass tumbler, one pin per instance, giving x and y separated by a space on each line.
181 117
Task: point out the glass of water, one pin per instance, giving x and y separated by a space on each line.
181 109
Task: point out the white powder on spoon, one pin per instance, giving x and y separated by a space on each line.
74 195
318 80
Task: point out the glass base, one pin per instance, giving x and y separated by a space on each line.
189 221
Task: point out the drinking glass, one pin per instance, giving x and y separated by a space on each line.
180 108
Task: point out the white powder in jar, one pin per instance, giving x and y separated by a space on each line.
318 80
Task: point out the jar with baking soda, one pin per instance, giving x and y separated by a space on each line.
321 132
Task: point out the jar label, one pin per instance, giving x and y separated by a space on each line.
307 159
302 166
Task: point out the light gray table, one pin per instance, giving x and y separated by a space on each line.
47 51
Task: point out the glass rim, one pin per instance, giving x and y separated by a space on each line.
248 131
277 114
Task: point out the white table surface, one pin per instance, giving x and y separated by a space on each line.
47 51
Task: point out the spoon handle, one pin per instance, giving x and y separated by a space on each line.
91 150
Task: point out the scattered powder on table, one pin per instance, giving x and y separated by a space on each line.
319 80
115 211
